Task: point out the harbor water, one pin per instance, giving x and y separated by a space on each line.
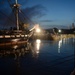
38 57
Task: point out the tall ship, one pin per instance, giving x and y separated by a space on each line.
17 34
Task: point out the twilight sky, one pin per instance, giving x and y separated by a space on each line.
54 12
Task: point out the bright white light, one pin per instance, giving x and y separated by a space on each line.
26 35
59 45
38 45
38 30
38 41
59 31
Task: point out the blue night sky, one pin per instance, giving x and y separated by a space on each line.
59 12
56 12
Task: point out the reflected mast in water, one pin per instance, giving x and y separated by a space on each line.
14 50
21 50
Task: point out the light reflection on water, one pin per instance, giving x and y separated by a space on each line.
35 48
59 45
38 42
51 57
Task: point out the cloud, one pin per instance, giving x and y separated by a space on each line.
46 20
37 10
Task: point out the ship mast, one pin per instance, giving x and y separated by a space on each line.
16 6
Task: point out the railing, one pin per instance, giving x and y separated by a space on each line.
13 36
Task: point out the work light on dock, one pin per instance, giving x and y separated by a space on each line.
59 31
38 30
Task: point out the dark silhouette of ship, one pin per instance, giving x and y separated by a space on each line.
17 34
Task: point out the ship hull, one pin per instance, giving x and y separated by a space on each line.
12 39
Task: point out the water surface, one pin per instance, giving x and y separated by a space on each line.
38 57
